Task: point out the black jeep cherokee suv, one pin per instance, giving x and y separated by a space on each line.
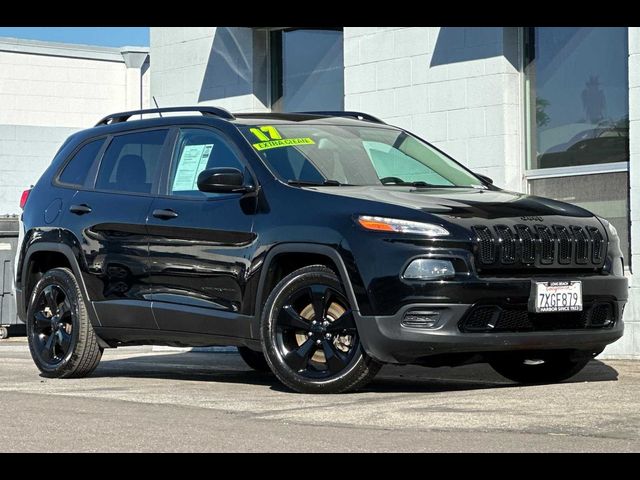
321 244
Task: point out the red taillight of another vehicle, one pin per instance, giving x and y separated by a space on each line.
24 197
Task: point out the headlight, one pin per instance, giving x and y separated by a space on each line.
383 224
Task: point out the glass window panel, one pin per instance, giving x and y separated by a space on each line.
75 173
131 161
603 194
198 150
578 109
310 70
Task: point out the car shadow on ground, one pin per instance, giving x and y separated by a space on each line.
229 368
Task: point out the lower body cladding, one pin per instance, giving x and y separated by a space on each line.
451 333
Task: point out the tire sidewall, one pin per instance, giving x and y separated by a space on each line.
64 279
290 284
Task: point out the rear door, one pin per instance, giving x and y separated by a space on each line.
108 217
200 243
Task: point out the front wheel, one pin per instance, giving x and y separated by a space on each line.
542 367
61 339
309 334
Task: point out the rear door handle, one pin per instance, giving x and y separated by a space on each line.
163 214
80 209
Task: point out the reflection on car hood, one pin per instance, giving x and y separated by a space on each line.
462 202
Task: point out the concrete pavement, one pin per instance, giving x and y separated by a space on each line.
144 400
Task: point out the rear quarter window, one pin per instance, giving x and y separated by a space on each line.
76 171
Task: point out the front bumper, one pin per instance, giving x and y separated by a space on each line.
386 339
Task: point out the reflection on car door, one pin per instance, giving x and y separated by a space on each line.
199 243
109 220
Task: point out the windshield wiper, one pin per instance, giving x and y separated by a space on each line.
305 183
419 183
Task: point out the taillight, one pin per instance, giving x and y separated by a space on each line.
24 197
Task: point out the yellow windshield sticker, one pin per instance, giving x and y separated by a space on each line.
272 133
284 142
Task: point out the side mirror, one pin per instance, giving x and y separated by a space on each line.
486 179
222 180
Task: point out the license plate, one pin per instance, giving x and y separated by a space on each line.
557 297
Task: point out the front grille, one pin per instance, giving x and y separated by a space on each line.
524 246
516 318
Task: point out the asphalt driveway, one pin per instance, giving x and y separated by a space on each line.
144 400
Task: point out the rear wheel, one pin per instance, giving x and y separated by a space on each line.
61 339
309 334
541 367
254 359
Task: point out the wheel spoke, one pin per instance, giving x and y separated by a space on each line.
41 320
65 309
336 360
343 322
64 340
290 318
49 346
319 300
299 358
51 297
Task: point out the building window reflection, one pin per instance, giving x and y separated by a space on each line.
578 117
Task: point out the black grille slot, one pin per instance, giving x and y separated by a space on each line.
527 242
564 244
486 244
516 318
547 244
581 242
507 242
597 244
528 247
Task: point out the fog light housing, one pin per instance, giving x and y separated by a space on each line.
429 269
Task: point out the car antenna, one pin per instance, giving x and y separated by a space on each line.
156 102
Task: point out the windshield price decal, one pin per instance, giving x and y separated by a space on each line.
270 138
285 142
272 133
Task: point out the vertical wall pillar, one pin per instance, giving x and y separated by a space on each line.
134 59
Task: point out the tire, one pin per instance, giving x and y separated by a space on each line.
320 357
254 359
541 367
61 339
4 333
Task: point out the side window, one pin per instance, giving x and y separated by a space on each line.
75 172
197 150
131 161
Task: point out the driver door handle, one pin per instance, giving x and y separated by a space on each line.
164 214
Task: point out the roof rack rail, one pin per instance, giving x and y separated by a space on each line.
339 113
124 116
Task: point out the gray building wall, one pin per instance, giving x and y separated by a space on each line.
460 88
222 66
50 90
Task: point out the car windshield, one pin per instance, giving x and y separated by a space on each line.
314 154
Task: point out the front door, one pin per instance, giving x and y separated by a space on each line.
200 244
108 217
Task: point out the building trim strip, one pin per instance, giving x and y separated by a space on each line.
574 171
70 50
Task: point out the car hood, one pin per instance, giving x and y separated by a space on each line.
462 202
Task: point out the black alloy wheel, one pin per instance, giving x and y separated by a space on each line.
61 338
310 337
54 321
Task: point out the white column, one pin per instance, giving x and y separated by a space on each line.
134 59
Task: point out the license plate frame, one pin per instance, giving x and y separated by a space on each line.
556 296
